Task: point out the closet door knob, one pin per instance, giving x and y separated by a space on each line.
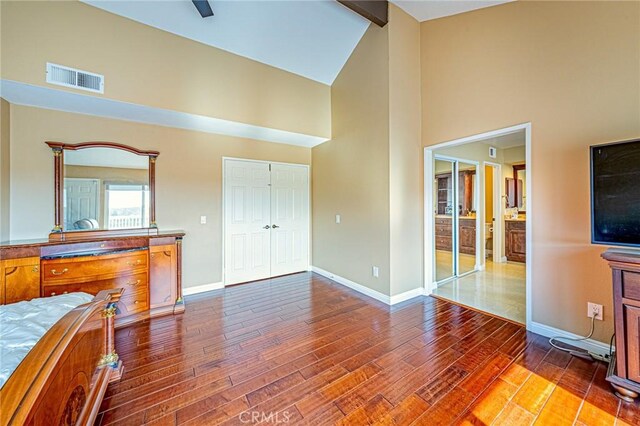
266 227
275 226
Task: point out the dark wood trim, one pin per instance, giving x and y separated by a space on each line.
84 145
179 306
101 233
516 168
376 11
152 191
623 373
58 233
58 182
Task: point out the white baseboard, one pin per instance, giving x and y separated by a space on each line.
201 288
398 298
589 344
367 291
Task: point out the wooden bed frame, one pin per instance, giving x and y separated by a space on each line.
62 380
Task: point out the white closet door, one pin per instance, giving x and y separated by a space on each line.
289 219
247 217
81 201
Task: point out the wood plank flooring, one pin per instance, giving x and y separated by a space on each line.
302 349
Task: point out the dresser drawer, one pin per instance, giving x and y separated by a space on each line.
443 243
443 221
443 230
88 267
631 285
130 283
131 303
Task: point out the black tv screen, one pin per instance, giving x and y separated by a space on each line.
615 193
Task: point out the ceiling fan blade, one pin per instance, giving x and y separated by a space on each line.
203 7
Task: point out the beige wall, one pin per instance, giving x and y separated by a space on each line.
188 177
351 171
147 66
371 171
569 68
4 168
405 159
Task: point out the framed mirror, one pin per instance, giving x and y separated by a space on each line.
103 187
516 188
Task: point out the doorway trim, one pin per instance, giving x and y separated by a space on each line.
222 206
429 223
498 228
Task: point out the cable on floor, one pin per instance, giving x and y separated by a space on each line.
582 354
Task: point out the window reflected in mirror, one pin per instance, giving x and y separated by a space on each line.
105 188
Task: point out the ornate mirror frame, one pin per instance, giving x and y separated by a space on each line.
58 233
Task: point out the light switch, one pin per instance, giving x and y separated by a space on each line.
203 220
337 218
375 271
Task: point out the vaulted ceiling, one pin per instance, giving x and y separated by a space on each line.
311 38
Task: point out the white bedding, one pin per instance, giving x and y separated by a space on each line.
22 324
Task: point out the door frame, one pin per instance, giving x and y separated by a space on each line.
429 227
498 227
222 205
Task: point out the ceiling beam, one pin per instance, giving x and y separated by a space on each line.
376 11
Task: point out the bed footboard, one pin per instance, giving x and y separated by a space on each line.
62 380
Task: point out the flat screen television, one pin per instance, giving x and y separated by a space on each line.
615 193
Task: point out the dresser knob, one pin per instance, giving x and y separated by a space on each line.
134 282
54 272
35 269
53 293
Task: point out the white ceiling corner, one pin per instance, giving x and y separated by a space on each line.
425 10
311 38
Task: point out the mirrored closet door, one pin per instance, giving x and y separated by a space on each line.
455 220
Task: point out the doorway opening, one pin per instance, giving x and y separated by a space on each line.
478 222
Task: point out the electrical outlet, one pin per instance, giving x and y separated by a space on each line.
337 218
203 220
595 309
375 271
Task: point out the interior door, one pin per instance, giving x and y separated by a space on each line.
81 200
247 217
289 219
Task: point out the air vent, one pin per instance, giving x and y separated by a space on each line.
78 79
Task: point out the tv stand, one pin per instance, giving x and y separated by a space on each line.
624 370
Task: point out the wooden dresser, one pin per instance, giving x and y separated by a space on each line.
148 268
624 370
515 240
466 230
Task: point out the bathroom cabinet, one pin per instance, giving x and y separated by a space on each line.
516 240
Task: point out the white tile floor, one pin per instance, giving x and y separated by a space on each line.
499 289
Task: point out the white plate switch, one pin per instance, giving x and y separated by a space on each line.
337 218
203 220
375 271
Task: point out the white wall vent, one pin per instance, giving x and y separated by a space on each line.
77 79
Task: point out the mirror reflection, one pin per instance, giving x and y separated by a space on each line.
516 188
105 188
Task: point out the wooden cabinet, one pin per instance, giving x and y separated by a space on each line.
516 240
19 279
163 272
127 269
624 370
466 232
147 268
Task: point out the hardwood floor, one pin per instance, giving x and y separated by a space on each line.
302 349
